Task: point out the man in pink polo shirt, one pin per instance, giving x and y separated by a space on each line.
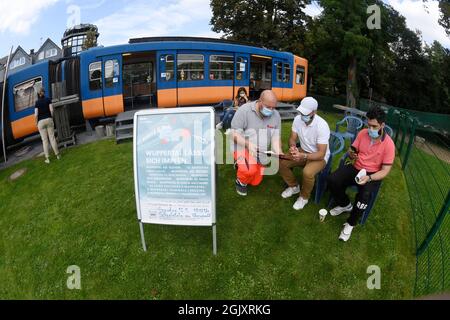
374 151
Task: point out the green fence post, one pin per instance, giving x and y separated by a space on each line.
404 117
390 117
437 224
399 127
411 142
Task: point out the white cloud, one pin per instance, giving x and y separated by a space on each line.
423 18
156 18
18 16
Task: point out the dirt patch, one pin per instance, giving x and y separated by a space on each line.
16 175
433 150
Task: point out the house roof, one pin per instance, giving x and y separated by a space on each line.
19 48
45 42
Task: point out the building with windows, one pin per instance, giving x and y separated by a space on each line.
3 62
48 51
20 59
74 38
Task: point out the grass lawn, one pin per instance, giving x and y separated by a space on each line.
81 211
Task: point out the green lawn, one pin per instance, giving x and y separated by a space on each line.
81 211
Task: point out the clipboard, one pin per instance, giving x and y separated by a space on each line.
280 156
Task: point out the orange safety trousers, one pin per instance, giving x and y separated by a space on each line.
249 171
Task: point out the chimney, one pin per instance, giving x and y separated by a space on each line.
31 52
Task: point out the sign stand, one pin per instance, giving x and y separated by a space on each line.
141 227
214 230
175 169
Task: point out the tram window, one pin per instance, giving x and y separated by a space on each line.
221 67
138 73
268 71
95 76
25 94
170 67
190 67
287 73
300 75
279 66
112 73
256 71
240 68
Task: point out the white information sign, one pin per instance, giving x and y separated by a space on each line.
174 167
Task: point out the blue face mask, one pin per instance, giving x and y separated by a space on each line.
266 112
306 119
374 134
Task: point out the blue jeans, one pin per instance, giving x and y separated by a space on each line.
227 117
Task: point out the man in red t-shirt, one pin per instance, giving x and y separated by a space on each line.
374 151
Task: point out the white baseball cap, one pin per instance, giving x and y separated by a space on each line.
308 105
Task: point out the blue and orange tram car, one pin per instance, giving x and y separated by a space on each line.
152 73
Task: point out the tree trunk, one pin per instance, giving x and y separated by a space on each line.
352 86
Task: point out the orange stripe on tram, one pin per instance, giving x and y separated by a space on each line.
113 105
279 93
93 108
167 98
203 95
24 127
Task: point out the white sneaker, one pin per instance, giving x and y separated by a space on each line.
47 161
338 210
300 203
346 232
219 126
290 191
58 157
227 132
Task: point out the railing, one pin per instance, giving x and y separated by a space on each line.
425 157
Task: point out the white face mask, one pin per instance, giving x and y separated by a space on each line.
242 94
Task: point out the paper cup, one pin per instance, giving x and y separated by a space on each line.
360 174
322 214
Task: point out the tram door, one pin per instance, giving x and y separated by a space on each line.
167 82
278 77
112 85
139 80
242 72
260 75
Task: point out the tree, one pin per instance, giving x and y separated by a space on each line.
444 19
341 29
91 40
445 16
438 86
276 24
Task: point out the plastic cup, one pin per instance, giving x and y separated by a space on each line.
322 214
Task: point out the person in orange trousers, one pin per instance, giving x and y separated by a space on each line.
256 127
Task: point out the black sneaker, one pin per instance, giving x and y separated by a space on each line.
240 188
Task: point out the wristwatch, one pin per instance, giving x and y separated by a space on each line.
370 178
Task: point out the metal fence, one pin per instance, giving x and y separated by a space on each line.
425 155
423 144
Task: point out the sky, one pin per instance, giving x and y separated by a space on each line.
30 23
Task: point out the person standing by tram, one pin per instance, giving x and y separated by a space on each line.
43 112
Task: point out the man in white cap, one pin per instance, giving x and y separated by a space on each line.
313 133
